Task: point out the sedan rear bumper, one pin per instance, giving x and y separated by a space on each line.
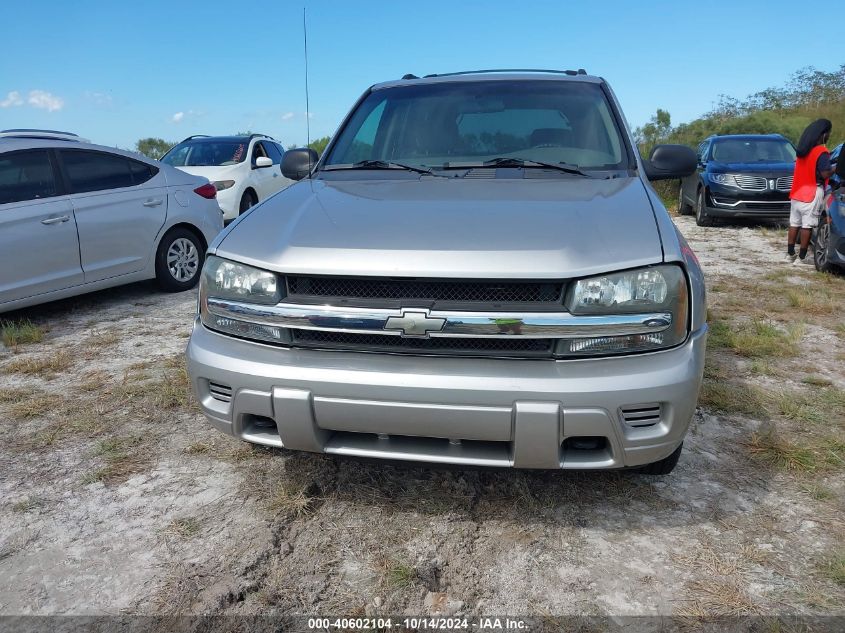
590 413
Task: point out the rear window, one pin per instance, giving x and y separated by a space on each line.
96 171
26 176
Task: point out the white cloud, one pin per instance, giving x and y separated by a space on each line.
178 117
12 99
44 100
287 115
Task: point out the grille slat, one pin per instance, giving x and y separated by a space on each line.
641 415
752 183
426 290
506 346
784 183
223 393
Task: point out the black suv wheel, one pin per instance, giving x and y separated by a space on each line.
821 239
701 217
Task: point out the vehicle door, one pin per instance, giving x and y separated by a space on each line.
263 177
39 249
279 181
120 205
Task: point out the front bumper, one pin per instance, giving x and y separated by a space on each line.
629 411
729 202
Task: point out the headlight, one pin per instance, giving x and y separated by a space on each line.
723 179
223 279
220 185
657 290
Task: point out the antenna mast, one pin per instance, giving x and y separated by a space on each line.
307 104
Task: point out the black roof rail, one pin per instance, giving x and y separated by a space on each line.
193 136
410 76
252 136
580 71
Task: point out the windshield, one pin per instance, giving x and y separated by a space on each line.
753 151
438 124
206 154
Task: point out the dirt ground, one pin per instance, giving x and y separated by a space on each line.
117 497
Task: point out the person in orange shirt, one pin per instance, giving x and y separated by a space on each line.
809 185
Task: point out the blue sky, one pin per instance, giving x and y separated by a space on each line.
118 71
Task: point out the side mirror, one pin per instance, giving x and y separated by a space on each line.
263 161
298 163
669 162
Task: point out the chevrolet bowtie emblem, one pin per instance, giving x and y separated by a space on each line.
414 324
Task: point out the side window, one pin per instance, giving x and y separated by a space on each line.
95 171
141 172
26 176
275 153
702 151
258 151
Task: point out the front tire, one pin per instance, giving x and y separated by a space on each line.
701 217
821 239
665 465
683 207
179 260
247 200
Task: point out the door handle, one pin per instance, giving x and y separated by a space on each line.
153 202
61 218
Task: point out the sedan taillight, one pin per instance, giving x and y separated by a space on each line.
207 191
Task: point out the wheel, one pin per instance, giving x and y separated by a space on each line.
701 217
179 260
664 466
683 207
821 239
247 200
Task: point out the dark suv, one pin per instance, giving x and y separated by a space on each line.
740 176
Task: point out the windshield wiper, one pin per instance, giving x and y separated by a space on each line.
509 161
380 164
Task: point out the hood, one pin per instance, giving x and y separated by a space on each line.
771 169
225 172
450 228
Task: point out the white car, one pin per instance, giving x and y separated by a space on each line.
77 217
244 169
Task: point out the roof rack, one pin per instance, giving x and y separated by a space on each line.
53 135
252 136
580 71
193 136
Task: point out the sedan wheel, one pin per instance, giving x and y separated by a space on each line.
182 259
178 260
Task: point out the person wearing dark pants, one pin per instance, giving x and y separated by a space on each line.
809 185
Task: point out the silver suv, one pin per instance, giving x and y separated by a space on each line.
475 272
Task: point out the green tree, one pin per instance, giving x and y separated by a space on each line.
319 145
653 132
153 147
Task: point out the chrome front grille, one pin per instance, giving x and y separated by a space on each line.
352 288
504 347
751 183
784 183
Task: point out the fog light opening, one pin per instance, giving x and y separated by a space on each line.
586 443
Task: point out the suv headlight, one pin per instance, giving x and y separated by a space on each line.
654 290
231 281
723 179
